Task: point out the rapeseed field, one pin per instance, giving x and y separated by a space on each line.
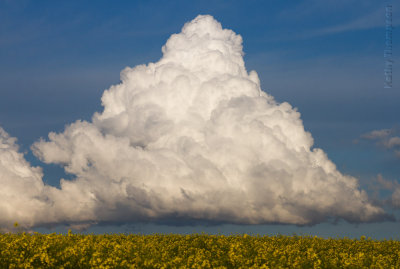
36 250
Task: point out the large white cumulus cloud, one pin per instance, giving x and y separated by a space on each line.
194 137
22 190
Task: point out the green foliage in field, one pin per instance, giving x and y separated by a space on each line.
193 251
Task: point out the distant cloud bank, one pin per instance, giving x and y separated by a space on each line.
386 138
191 137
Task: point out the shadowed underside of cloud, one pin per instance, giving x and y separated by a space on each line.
190 137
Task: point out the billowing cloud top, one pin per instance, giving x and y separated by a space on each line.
190 137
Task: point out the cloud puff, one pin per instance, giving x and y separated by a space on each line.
377 134
394 187
193 137
386 138
396 197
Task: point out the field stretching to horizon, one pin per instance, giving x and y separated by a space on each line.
25 250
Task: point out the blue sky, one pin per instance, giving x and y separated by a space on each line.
323 57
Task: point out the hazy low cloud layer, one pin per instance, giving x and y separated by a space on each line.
190 137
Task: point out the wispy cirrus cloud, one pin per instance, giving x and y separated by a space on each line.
371 20
363 16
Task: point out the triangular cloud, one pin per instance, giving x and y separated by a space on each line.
191 137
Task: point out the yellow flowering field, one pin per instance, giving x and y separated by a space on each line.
36 250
